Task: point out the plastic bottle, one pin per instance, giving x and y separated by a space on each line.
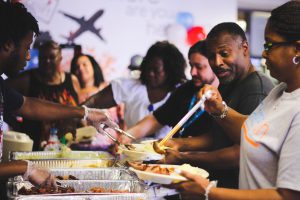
53 135
53 142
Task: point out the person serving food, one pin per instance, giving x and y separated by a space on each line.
18 27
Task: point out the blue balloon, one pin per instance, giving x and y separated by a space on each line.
186 19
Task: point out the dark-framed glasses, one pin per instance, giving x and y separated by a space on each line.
269 45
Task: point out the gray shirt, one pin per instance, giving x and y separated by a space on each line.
270 139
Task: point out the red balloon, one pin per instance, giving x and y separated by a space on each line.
195 34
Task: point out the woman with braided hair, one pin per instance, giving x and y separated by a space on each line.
269 137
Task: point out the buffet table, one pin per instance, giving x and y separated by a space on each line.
83 175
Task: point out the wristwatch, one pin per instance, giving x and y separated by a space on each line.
223 114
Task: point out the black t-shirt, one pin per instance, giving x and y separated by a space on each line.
171 112
12 99
243 97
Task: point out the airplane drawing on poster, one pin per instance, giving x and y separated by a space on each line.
85 25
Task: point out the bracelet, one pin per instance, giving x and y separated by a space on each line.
223 114
208 188
86 112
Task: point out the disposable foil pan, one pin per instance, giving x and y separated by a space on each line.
132 196
89 174
84 186
94 174
35 155
95 163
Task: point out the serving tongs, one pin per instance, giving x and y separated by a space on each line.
126 166
118 130
158 147
124 133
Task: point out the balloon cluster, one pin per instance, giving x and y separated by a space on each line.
185 29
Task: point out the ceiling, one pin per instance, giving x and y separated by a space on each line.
266 5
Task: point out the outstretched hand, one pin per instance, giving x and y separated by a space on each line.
96 117
194 186
174 144
39 177
171 157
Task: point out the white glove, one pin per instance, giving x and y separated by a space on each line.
39 176
96 117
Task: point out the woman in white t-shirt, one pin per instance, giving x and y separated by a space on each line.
162 70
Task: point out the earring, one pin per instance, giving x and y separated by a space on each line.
296 60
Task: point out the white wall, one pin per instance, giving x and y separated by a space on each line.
129 26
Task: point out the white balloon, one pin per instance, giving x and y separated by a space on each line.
176 34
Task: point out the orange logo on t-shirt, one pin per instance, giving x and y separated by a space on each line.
259 132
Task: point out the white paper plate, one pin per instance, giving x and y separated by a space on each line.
168 179
140 153
149 141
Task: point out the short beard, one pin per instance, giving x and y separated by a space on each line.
209 82
226 81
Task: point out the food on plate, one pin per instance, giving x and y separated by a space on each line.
136 152
159 149
144 147
157 169
167 169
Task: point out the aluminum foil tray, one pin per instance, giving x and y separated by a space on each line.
133 196
83 187
73 163
94 174
89 174
35 155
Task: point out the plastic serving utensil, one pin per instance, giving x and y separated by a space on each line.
199 104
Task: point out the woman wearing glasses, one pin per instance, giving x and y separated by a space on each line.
269 137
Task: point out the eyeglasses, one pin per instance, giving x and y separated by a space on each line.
269 45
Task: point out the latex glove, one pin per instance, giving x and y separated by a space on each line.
125 140
96 117
39 176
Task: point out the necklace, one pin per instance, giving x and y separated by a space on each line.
194 117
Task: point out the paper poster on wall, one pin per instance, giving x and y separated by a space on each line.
114 30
